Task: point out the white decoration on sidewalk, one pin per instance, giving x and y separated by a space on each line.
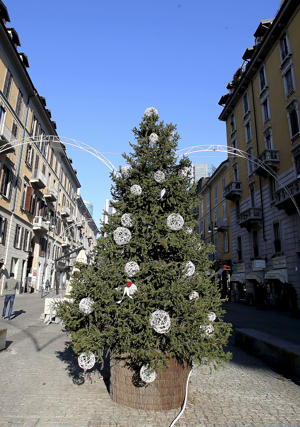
136 190
211 316
207 330
175 221
129 290
159 176
131 268
193 295
125 171
122 236
160 321
147 374
188 269
86 361
149 111
126 220
153 138
162 193
86 305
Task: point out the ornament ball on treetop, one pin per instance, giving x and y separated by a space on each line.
170 308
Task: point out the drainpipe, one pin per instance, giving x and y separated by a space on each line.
257 150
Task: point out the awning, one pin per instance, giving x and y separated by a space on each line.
238 277
258 276
277 274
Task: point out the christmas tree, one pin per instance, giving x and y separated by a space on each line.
150 291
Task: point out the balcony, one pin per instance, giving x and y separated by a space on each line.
71 219
221 224
283 198
233 191
38 179
250 218
50 195
79 224
66 242
269 159
40 225
6 140
65 212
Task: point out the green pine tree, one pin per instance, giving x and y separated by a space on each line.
161 253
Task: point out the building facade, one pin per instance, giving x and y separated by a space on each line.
261 111
38 185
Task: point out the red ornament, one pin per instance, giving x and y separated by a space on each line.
128 284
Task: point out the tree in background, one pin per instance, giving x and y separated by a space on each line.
149 292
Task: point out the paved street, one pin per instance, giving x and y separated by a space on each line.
41 386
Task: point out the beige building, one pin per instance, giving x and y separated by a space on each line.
38 185
261 111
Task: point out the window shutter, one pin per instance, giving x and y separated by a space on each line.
29 192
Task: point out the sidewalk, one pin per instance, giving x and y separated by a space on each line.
42 386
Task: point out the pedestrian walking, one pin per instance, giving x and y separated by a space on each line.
10 288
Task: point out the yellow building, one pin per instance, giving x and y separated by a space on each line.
261 112
214 223
39 188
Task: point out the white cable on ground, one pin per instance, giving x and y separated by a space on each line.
185 399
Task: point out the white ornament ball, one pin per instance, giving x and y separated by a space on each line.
126 220
122 236
189 230
211 316
188 269
193 295
86 361
125 171
186 172
86 305
147 374
136 190
208 330
159 176
175 221
149 111
153 138
160 321
131 268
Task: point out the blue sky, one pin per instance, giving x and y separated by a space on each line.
100 64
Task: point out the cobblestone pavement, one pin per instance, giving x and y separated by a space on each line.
40 386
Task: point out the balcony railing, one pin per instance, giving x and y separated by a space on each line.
269 159
71 219
40 225
38 179
233 190
50 194
66 242
65 211
250 218
283 197
221 224
6 140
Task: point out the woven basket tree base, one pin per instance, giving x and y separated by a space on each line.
166 392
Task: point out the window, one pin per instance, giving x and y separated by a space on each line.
255 243
268 138
24 191
33 125
239 248
19 103
43 247
3 228
252 194
6 179
51 158
288 81
237 209
223 185
225 242
14 131
7 84
225 211
232 123
293 118
297 165
277 240
250 161
18 236
262 78
265 110
236 173
29 156
248 132
284 46
2 114
272 186
246 103
216 194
